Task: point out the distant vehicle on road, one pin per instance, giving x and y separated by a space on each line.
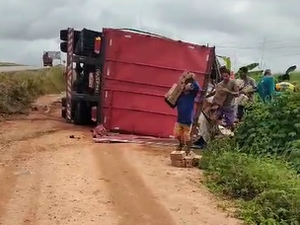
47 61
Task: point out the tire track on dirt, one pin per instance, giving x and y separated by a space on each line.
9 174
30 217
27 137
7 181
133 200
6 142
17 156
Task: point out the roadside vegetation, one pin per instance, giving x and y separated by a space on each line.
259 167
19 89
295 77
9 64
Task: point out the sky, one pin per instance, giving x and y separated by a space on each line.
263 31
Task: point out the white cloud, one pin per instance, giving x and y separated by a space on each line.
236 27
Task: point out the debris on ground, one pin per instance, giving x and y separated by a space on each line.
181 159
99 131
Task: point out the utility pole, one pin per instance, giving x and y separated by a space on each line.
261 64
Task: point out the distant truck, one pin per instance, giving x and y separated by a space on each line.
122 76
47 61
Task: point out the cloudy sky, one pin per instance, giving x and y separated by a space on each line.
247 31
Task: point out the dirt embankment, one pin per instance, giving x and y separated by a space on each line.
47 177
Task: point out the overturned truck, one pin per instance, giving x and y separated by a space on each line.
122 76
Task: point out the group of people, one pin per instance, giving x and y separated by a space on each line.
228 102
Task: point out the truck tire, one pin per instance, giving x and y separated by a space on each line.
64 37
82 115
64 102
63 107
63 34
64 47
64 113
85 44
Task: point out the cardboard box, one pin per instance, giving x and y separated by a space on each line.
188 161
180 159
176 90
173 94
220 96
177 155
178 163
185 76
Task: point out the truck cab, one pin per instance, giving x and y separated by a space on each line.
47 61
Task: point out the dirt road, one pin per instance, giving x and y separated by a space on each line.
48 178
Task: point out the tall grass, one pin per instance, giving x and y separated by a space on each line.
19 89
295 78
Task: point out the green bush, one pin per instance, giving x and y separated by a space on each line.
270 129
254 167
19 89
295 79
269 189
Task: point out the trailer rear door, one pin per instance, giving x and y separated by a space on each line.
138 71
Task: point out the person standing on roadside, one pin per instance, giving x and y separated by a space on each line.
185 114
266 87
226 92
247 82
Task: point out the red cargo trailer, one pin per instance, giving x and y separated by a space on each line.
137 70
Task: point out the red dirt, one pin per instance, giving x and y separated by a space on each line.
46 177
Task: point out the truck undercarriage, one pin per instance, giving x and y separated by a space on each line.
87 65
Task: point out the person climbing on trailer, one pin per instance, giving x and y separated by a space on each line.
185 113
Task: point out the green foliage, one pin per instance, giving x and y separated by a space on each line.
19 89
258 167
295 79
271 129
268 190
256 75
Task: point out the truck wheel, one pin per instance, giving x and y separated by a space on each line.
64 102
82 115
64 113
63 107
